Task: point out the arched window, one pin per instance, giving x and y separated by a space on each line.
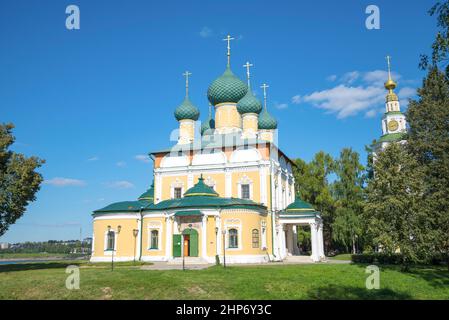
233 238
154 239
110 243
255 238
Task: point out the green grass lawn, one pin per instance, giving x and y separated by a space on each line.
312 281
343 256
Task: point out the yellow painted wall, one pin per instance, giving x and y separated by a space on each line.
219 179
125 239
167 182
227 116
211 240
186 130
249 220
253 176
147 223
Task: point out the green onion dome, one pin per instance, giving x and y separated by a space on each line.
186 110
249 104
226 88
201 189
266 121
148 195
208 126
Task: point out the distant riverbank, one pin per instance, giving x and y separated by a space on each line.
35 257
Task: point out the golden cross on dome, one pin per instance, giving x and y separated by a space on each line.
264 87
228 39
247 65
389 66
187 74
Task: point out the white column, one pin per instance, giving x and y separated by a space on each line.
138 240
228 183
218 244
283 243
158 187
295 240
313 239
189 180
204 237
263 185
168 238
321 241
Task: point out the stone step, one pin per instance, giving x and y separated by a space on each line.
188 260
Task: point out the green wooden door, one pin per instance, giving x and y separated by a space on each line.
177 245
194 244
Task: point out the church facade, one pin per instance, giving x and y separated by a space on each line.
226 193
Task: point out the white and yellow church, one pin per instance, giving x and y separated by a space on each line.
228 193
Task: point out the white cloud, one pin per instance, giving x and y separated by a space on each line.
346 101
123 184
350 77
357 92
121 164
142 157
280 106
206 32
331 78
296 99
65 182
95 158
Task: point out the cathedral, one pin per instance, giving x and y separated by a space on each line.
226 195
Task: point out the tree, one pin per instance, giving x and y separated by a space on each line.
393 211
348 193
19 181
428 142
313 186
440 46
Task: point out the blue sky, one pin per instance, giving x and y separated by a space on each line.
92 101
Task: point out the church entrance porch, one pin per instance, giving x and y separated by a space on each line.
296 229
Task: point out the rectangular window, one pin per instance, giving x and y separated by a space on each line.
245 191
110 243
154 239
177 193
255 238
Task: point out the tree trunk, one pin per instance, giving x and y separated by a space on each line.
353 245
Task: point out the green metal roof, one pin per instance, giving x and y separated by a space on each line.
148 195
267 121
299 208
125 206
186 110
226 88
393 113
249 104
188 213
201 189
207 202
393 137
208 126
215 141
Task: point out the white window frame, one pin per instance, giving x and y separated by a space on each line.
106 251
152 227
248 181
239 234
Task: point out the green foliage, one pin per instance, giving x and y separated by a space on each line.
19 181
348 193
313 187
440 46
428 142
393 210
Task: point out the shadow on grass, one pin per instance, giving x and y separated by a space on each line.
436 276
333 292
35 266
